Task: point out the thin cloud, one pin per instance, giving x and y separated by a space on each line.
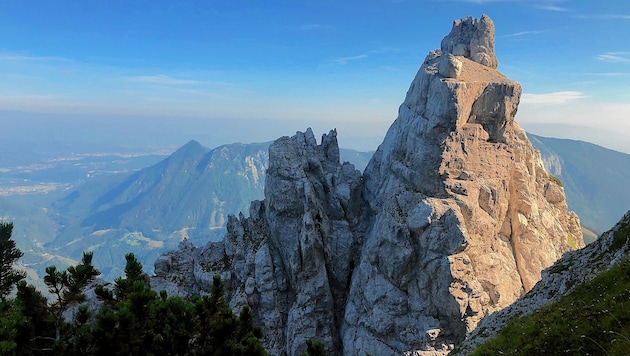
375 52
314 27
552 8
603 17
526 33
614 57
608 74
543 5
23 58
346 60
560 97
167 80
163 80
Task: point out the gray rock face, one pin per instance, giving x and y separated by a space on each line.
473 39
454 218
291 260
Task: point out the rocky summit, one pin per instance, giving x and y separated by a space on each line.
454 218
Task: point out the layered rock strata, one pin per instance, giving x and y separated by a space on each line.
454 218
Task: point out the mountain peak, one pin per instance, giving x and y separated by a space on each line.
473 39
454 218
193 145
191 151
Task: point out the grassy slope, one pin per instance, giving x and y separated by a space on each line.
594 319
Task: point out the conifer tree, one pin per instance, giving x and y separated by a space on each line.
133 319
9 276
135 279
36 334
68 287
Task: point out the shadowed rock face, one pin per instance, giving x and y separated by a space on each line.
453 219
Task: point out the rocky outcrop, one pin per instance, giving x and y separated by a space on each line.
473 39
464 214
573 269
291 260
454 218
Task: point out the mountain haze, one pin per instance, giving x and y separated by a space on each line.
594 178
174 193
104 211
187 195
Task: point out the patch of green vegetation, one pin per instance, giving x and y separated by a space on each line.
314 348
557 268
561 266
555 180
572 241
592 320
620 238
132 238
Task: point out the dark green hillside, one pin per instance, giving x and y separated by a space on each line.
595 179
189 194
32 229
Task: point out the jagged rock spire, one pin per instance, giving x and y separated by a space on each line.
473 39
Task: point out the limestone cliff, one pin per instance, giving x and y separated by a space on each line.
454 218
573 269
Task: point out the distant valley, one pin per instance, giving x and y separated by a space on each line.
147 202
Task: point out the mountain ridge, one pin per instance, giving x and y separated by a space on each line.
27 229
592 176
161 204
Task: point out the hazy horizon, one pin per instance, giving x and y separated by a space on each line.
159 72
140 134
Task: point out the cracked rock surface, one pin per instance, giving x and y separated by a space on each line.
454 218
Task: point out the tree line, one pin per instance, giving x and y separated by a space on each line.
132 319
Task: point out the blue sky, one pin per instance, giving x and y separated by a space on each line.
254 70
